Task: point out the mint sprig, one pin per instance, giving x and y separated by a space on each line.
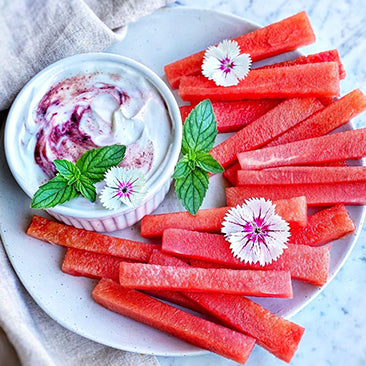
199 130
191 189
191 172
94 163
73 180
55 191
67 170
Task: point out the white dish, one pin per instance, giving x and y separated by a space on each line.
155 40
158 109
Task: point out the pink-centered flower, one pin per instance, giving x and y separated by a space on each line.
123 187
224 64
256 233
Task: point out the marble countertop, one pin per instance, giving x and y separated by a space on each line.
335 321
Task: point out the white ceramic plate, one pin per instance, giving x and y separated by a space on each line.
155 40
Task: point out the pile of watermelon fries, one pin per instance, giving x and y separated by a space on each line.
282 150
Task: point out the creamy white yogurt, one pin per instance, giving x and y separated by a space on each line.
90 110
86 101
90 107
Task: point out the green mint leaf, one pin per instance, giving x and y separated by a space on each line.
68 170
191 189
209 164
182 168
191 172
55 191
94 163
86 188
199 129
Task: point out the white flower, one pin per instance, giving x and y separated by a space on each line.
224 65
123 187
255 232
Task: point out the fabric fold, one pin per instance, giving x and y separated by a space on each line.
37 33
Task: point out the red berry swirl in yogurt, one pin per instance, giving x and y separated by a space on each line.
90 110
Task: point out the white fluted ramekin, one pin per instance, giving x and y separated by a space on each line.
97 219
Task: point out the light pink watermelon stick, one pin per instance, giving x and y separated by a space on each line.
193 329
326 120
325 56
214 280
324 226
283 36
72 237
279 336
301 175
275 122
294 211
231 172
317 194
78 262
334 147
309 80
232 116
310 264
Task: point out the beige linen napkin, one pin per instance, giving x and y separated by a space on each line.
33 34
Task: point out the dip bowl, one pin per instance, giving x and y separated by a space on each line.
23 129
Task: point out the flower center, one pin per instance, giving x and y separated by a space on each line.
256 230
226 65
125 189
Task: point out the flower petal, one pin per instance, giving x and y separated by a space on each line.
231 79
224 64
243 60
255 231
230 48
240 72
109 199
215 52
111 178
221 79
123 187
133 200
210 66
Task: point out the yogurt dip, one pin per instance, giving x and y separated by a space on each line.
90 110
85 102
